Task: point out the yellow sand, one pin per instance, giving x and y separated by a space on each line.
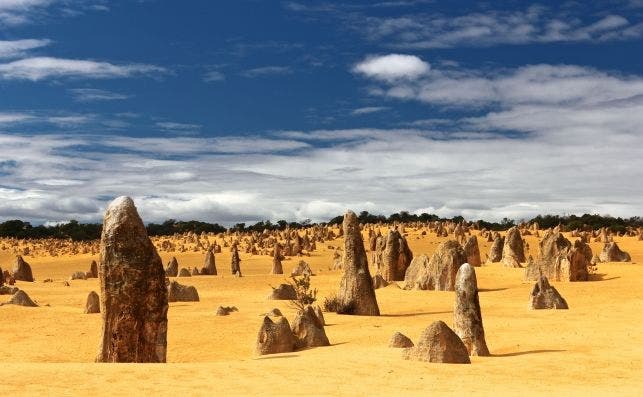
595 348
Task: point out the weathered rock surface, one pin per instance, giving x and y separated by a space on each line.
513 252
93 269
209 264
472 251
379 282
21 270
495 253
133 292
560 261
283 292
181 293
467 317
225 310
275 337
396 257
301 269
21 298
277 267
235 262
172 269
443 266
438 344
612 253
308 330
78 276
8 290
545 296
399 340
93 303
356 294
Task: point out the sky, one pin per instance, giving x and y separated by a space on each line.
240 111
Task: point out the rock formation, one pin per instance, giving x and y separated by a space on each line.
558 260
396 257
440 273
21 298
275 337
93 269
472 251
467 318
283 292
308 330
438 344
181 293
235 262
513 252
209 264
400 340
301 269
356 294
133 293
277 268
225 310
21 270
172 269
611 253
93 303
495 253
545 296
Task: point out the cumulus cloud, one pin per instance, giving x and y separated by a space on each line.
392 67
39 68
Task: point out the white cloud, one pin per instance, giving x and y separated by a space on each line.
213 76
266 71
17 12
18 48
10 118
542 139
94 95
182 128
368 110
392 67
39 68
535 24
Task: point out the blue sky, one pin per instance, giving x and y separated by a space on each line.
233 111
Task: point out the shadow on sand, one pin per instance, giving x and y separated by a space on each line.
273 357
527 352
491 289
413 314
601 277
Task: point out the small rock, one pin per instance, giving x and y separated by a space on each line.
283 292
93 303
400 340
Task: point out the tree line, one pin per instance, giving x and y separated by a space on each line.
91 231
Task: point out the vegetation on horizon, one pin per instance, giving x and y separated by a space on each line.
91 231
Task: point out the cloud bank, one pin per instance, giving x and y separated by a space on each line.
544 139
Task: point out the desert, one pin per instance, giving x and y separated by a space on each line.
591 348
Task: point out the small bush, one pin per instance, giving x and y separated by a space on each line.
305 296
331 304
